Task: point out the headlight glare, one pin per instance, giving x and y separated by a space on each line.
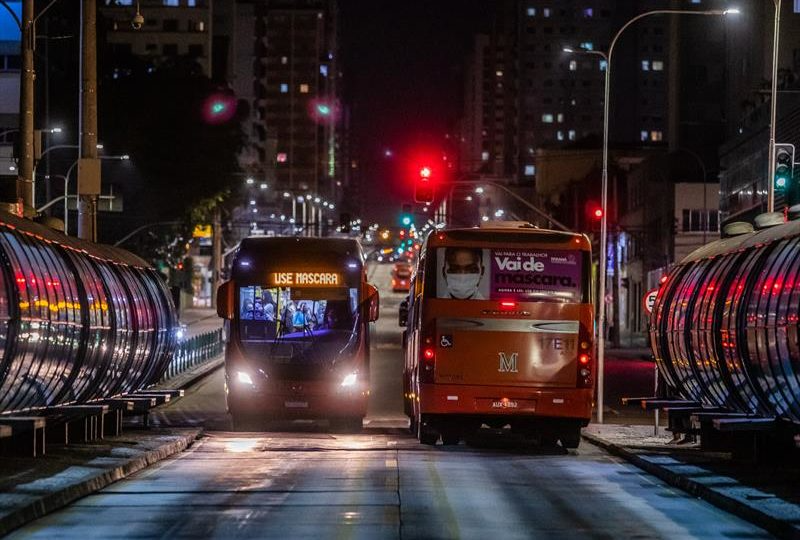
350 379
244 377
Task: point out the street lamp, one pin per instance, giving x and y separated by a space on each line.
773 106
601 289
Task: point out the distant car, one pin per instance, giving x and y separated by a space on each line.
401 277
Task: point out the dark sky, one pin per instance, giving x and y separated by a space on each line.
403 76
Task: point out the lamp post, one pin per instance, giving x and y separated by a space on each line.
601 289
773 108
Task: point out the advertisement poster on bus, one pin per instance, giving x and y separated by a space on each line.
517 274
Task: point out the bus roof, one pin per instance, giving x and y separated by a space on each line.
508 235
259 253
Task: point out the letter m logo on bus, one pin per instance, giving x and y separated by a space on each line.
508 364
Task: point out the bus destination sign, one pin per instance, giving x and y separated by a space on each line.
306 279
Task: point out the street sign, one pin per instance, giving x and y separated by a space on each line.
650 300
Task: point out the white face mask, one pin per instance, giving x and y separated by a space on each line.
462 286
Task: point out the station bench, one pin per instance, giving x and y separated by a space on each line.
27 435
76 423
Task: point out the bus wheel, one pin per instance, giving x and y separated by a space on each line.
570 437
425 433
451 436
349 424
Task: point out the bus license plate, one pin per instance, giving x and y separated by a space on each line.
296 404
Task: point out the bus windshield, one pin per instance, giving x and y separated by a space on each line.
474 273
310 325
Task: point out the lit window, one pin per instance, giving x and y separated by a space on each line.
547 118
323 70
656 135
172 3
304 89
530 170
560 135
484 156
284 60
531 12
588 45
588 12
124 2
546 12
560 117
645 135
284 88
499 73
573 65
191 3
282 157
603 65
571 134
645 65
797 6
658 65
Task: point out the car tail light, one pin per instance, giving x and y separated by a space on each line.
585 364
427 363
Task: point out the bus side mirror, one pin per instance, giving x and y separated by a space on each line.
402 315
374 301
225 300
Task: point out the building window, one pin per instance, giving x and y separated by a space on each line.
170 25
547 118
484 156
282 157
603 65
656 135
530 170
573 65
191 3
645 135
172 3
700 220
560 117
196 51
658 65
323 70
499 73
588 45
797 6
531 12
546 12
170 49
588 13
304 89
560 135
284 60
284 88
571 134
645 65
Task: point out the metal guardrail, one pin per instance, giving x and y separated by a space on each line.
194 351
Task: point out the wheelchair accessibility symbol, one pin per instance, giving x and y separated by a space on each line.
446 341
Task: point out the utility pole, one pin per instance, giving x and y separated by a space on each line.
26 150
88 164
216 255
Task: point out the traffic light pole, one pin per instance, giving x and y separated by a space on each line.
773 108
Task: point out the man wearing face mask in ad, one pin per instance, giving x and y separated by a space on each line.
463 271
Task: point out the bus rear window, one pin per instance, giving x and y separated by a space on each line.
509 274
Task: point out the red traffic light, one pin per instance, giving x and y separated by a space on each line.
425 172
423 186
598 213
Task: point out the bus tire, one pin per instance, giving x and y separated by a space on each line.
570 437
451 437
348 424
425 433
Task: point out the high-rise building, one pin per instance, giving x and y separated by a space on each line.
295 108
170 30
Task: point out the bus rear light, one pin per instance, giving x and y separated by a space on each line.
507 305
584 359
428 354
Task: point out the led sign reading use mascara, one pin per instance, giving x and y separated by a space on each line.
306 278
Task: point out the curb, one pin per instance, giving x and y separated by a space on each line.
50 502
773 525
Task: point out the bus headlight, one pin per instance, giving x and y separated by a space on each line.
244 377
350 379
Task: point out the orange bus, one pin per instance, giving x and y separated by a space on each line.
298 344
500 332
